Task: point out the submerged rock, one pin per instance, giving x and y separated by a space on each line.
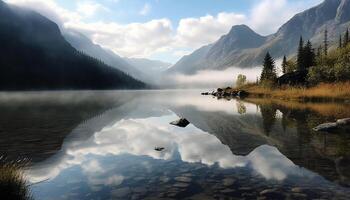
159 148
345 121
181 122
326 127
228 182
340 123
121 192
183 179
181 185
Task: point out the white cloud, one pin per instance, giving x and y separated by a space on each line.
195 32
131 40
146 9
138 137
155 36
89 8
50 9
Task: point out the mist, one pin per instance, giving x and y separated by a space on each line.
211 78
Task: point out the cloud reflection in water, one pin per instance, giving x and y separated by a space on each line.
138 137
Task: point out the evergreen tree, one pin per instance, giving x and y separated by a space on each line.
340 42
325 41
284 65
300 57
269 70
346 38
309 55
319 51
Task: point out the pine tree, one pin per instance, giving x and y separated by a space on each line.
340 42
269 69
319 50
325 41
300 57
309 55
284 65
346 38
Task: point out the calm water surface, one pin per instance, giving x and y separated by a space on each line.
100 145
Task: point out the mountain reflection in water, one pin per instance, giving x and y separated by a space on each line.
230 149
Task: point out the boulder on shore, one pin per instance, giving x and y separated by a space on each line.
339 124
242 94
180 122
345 121
326 127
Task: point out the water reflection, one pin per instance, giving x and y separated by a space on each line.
230 149
138 137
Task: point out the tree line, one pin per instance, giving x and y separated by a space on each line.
311 66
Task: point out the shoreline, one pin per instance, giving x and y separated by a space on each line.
335 92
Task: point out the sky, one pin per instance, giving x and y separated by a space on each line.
164 29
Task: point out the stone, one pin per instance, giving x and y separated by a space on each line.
159 148
267 191
139 190
181 185
121 192
180 122
135 197
326 127
228 182
227 191
183 179
299 196
164 179
187 174
242 94
345 121
245 188
297 189
272 194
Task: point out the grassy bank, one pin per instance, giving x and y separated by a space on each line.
12 182
324 91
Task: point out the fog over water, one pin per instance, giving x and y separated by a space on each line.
214 78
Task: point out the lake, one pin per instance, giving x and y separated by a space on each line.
101 145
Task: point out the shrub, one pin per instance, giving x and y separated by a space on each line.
12 182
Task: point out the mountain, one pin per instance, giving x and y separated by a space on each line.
242 47
84 44
35 56
192 62
147 66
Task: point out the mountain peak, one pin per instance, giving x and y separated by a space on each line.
241 27
240 37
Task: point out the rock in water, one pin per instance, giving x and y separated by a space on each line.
242 94
181 122
326 127
159 148
340 124
345 121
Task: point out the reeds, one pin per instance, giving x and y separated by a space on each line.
12 182
340 91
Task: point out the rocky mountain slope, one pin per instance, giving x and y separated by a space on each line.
35 56
242 47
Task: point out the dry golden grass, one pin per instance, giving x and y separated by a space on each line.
12 182
321 91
